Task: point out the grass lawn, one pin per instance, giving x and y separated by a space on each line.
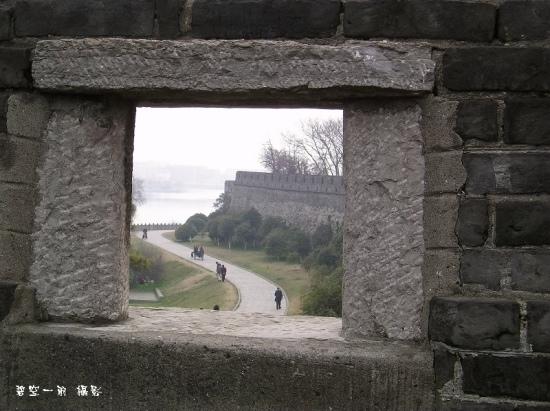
291 277
185 285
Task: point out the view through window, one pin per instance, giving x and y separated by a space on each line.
238 209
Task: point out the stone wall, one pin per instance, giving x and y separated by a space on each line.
485 299
303 201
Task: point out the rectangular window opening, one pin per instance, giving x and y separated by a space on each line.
224 217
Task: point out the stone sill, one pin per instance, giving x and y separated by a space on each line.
185 359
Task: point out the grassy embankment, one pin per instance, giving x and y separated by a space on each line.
291 277
184 284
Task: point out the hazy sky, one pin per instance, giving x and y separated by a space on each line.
217 138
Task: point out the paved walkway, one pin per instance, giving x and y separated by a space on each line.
143 296
256 292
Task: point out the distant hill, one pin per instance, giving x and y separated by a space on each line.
178 178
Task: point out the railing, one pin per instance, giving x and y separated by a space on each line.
155 226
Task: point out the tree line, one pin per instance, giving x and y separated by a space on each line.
320 252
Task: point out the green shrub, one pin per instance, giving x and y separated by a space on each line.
276 244
325 297
321 236
186 232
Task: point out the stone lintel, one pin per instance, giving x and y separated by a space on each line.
221 69
201 360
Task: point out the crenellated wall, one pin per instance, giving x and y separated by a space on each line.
303 201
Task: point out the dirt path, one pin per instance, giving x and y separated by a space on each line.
256 293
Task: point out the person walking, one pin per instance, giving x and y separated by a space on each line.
144 236
278 298
224 273
218 271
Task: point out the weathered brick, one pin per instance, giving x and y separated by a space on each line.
525 173
16 208
538 325
444 366
168 14
132 18
28 114
531 271
522 222
483 267
7 294
15 254
526 121
444 172
5 23
517 376
440 216
477 119
15 66
230 19
3 112
18 159
474 323
524 20
497 68
433 19
473 221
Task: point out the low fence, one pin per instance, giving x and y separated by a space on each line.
155 226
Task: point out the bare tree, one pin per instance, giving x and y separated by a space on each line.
323 145
318 150
285 161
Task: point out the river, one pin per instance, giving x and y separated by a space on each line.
165 207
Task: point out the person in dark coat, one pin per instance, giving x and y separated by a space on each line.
278 298
224 272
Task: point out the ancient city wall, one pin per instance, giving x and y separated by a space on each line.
303 201
475 285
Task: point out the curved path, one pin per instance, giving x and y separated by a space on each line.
256 292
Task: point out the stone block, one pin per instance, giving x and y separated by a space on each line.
18 159
15 66
526 121
5 23
491 173
440 217
23 308
7 294
81 238
531 271
27 115
438 124
522 222
477 119
538 325
249 19
16 207
158 369
523 376
475 323
484 267
383 243
497 68
473 222
250 70
169 14
15 252
444 172
458 20
81 18
524 20
444 366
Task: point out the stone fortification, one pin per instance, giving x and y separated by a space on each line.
304 201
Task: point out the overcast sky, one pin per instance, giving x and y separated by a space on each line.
217 138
